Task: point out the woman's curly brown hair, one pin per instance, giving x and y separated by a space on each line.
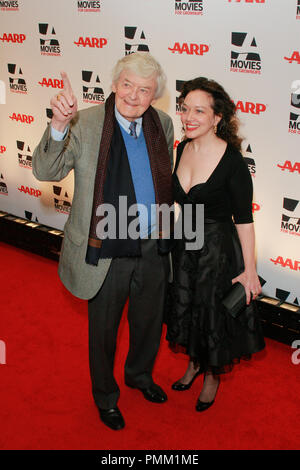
223 105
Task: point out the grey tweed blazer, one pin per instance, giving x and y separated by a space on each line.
52 161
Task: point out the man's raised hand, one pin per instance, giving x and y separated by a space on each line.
63 105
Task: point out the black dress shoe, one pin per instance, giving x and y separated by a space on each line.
152 393
202 406
180 387
112 418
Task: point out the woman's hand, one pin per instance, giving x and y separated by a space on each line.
251 283
249 277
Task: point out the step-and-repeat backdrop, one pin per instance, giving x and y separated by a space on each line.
252 47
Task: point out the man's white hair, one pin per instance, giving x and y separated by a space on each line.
144 65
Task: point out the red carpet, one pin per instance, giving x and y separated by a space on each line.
45 395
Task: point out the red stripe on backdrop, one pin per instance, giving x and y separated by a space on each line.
45 394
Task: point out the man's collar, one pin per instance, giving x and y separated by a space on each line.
125 123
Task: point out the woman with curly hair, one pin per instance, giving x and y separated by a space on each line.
210 170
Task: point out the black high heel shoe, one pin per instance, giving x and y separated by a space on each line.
180 387
202 406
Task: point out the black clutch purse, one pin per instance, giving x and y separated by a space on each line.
235 300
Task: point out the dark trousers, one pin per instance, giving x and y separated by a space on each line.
142 279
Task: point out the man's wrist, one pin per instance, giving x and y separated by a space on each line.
59 126
57 134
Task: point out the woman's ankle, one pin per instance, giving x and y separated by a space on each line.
210 387
190 373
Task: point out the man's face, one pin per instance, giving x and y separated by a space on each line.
134 94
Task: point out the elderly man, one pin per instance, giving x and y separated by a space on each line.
120 149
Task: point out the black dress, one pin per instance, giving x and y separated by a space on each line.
197 322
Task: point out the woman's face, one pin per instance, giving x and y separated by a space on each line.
197 116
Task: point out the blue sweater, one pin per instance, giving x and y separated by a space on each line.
142 180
